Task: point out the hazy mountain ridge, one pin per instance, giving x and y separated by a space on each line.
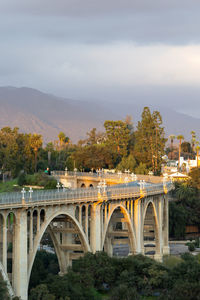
35 111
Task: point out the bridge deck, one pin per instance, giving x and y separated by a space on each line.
52 197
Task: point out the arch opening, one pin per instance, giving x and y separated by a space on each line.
150 231
62 237
119 239
83 185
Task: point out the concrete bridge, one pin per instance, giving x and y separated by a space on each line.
80 220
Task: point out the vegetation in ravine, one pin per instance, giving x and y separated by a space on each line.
98 276
185 210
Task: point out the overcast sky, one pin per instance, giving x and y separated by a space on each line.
116 50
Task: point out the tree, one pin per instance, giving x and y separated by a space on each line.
41 292
35 143
171 137
180 138
193 133
9 149
3 290
117 136
197 153
186 148
150 140
127 163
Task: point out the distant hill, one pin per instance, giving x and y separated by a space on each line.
34 111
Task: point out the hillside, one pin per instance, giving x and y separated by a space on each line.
34 111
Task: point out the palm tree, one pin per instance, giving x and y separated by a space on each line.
36 143
62 138
180 138
185 192
193 141
171 137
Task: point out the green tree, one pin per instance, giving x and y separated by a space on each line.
117 136
63 139
150 140
3 290
127 163
193 140
41 292
35 143
171 137
8 149
180 138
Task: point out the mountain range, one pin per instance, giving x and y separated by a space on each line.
34 111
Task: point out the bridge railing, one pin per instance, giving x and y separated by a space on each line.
113 176
82 194
93 175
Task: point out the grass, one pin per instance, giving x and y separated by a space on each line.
9 186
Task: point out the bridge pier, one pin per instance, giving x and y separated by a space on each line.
95 228
20 256
138 226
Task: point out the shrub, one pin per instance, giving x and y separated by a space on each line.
21 179
50 184
191 247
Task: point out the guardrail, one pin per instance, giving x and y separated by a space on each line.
112 176
81 194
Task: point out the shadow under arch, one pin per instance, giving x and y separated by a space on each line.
131 232
44 226
151 204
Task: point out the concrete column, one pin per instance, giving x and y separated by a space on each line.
95 228
86 221
108 246
105 214
128 206
138 226
5 246
31 233
158 231
20 270
166 249
131 210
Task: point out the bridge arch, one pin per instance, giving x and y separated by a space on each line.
131 232
152 223
43 228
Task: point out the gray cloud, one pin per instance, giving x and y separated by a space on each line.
112 50
95 7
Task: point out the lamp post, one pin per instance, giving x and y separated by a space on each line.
30 192
120 175
132 176
58 186
104 185
66 171
23 194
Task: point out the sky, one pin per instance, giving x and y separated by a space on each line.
145 51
